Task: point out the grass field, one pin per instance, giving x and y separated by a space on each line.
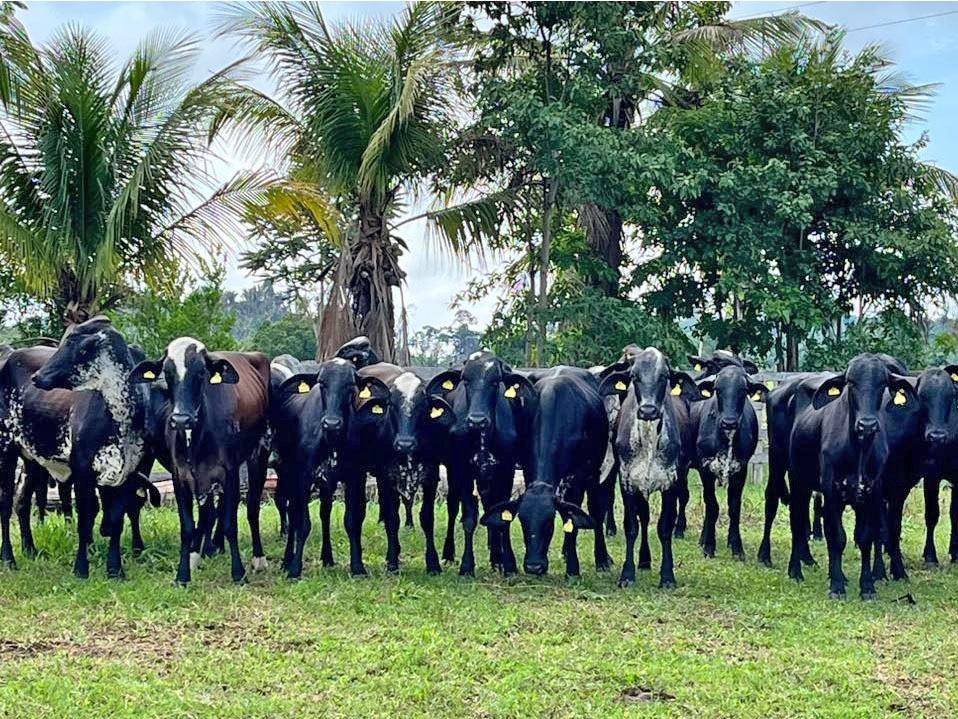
734 640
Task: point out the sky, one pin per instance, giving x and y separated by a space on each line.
923 47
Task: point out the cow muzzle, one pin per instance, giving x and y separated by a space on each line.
404 445
181 422
649 412
728 424
478 421
866 427
936 437
333 425
536 567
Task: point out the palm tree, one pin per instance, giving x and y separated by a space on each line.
364 120
104 167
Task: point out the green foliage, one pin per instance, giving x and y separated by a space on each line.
445 346
151 319
293 334
253 307
892 332
102 162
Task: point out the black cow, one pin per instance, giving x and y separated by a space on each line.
725 429
654 447
569 438
941 460
217 416
411 440
322 434
840 446
72 412
494 407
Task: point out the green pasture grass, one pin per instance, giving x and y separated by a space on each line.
734 640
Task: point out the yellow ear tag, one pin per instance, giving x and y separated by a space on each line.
216 378
436 412
506 515
698 367
706 393
900 398
834 391
303 388
676 390
567 527
954 377
149 374
620 386
448 384
141 493
365 393
377 409
757 397
510 392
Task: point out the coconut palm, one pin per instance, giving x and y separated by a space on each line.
105 175
364 118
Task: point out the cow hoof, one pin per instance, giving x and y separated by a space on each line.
359 571
10 563
240 581
605 566
434 571
117 575
668 584
740 556
392 570
466 572
29 551
260 564
138 552
766 561
679 533
869 596
194 561
708 553
292 578
181 583
625 583
81 574
645 566
838 596
932 564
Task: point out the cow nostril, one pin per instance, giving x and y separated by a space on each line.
536 568
332 423
729 423
867 426
404 445
648 412
936 436
478 420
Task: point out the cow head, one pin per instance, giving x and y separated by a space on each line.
937 392
359 352
484 377
652 381
729 390
536 510
708 366
862 387
90 354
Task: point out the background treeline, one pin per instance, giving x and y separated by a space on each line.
638 172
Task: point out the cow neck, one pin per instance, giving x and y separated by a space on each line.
112 384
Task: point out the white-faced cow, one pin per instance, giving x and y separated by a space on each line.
654 447
494 407
569 439
840 446
72 412
215 419
322 425
410 441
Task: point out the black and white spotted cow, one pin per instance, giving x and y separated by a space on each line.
72 412
410 442
215 418
654 446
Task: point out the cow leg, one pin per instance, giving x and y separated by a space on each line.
114 508
427 519
642 509
896 508
666 525
881 540
231 498
572 568
39 490
681 523
735 488
298 508
355 516
218 536
630 522
817 517
470 518
610 528
256 473
452 510
133 510
8 468
389 504
507 556
202 543
189 550
408 505
325 512
34 483
65 494
597 498
932 514
804 547
798 520
711 514
866 528
835 539
771 510
953 516
86 515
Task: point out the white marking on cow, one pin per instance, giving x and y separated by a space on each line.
643 469
260 564
724 465
194 561
407 383
612 405
282 369
596 370
475 355
176 351
340 361
361 340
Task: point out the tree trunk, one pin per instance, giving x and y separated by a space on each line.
550 189
531 296
791 349
605 239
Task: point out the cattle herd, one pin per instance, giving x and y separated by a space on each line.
93 414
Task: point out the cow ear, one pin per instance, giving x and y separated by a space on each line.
749 367
146 371
573 517
221 371
757 392
518 387
617 367
901 390
444 382
440 412
683 386
952 371
828 391
615 383
500 515
371 388
705 389
299 383
699 364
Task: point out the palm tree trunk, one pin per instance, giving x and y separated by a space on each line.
605 240
550 190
